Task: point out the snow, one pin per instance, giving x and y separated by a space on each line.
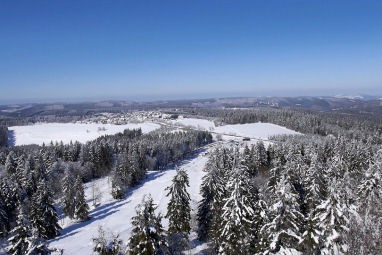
46 132
254 130
200 124
115 216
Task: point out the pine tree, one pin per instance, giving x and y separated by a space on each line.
147 235
4 221
332 216
11 163
282 233
81 208
238 214
43 214
20 234
178 211
68 194
121 177
137 173
37 245
213 192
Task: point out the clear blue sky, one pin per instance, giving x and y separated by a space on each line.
71 50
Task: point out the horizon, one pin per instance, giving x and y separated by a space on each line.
170 50
359 96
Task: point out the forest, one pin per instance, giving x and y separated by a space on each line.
316 193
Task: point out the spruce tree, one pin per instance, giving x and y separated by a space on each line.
332 215
282 233
19 234
81 208
213 192
11 163
147 234
238 214
68 195
178 211
37 245
43 214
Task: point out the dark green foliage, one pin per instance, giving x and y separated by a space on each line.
236 234
147 237
3 136
43 214
81 208
178 212
19 234
213 192
68 195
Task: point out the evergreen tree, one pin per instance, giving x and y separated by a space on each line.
43 214
121 177
81 208
178 211
237 231
68 194
4 221
213 192
37 245
11 163
282 233
19 234
332 216
147 235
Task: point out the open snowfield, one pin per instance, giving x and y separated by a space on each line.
115 216
254 130
257 131
46 132
200 124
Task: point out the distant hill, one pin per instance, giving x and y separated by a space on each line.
346 104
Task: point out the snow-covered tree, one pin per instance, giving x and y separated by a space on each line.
81 208
68 194
43 214
178 211
121 177
282 233
20 234
147 236
11 163
37 245
213 192
332 216
104 245
237 232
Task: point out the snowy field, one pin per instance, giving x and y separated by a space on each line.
254 130
200 124
115 216
46 132
257 131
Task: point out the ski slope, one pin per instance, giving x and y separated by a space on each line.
82 132
115 216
